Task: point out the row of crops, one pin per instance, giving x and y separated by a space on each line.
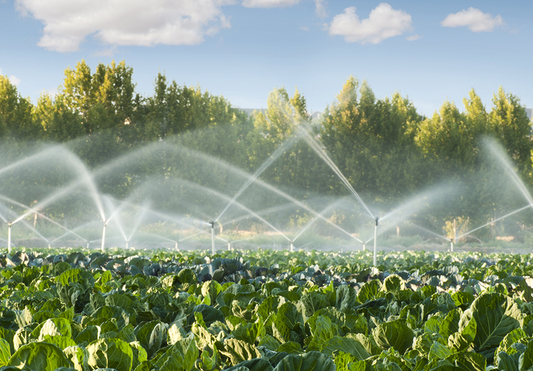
264 310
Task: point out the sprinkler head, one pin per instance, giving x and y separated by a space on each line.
377 220
212 224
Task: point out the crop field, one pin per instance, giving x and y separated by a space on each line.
125 310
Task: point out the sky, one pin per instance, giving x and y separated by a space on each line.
428 51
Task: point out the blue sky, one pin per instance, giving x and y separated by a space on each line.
429 51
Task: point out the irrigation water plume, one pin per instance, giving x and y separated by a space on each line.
436 235
496 151
84 179
242 173
494 221
36 212
277 153
321 216
318 149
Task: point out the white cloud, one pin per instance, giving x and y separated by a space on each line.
474 19
108 52
320 8
269 3
14 80
382 23
414 37
125 22
305 28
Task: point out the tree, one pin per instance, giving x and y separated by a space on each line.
109 93
512 128
59 122
15 113
372 142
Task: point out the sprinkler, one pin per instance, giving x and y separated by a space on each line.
127 244
103 234
229 246
451 245
49 245
9 224
364 246
176 246
292 246
88 243
376 239
212 236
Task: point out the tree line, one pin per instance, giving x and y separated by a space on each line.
386 149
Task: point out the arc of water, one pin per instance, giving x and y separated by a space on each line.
38 213
110 166
277 153
167 217
495 220
238 204
191 236
497 152
432 233
312 221
25 223
87 180
320 151
138 221
112 216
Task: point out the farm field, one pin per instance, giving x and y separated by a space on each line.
73 309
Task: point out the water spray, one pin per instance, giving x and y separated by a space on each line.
376 240
212 236
103 234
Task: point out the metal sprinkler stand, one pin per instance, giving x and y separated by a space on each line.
292 247
229 246
176 246
376 240
9 224
212 236
103 234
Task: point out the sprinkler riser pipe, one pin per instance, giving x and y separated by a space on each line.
376 242
9 238
103 236
212 238
229 246
176 245
451 246
292 247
